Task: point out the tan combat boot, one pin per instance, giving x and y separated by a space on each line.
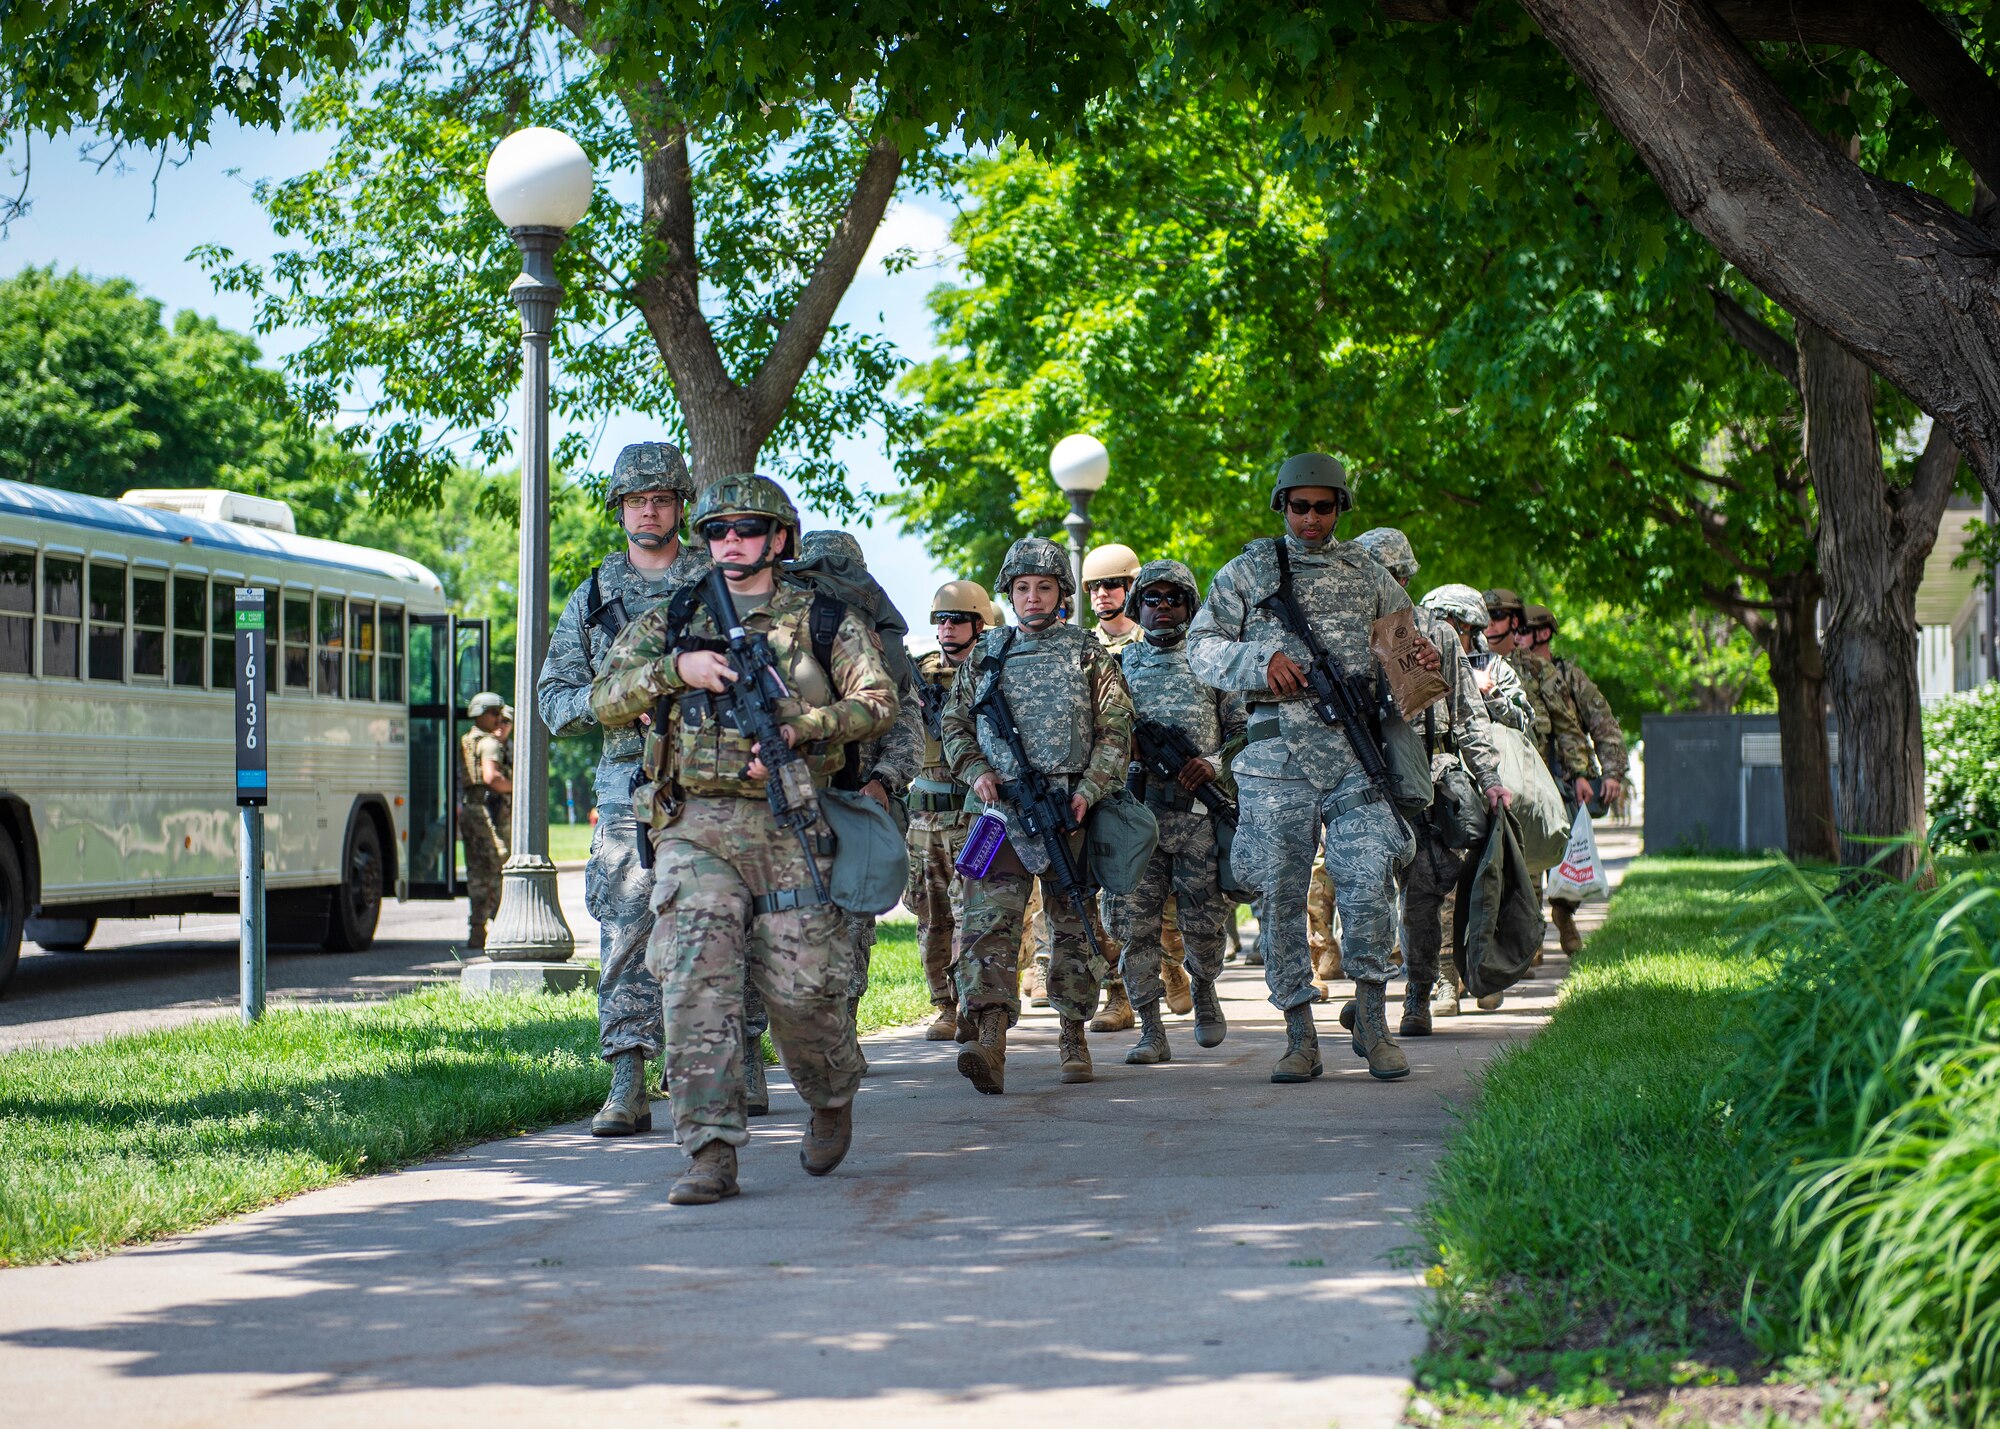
626 1110
1563 915
944 1027
1301 1062
1179 993
1444 998
984 1062
1075 1050
710 1177
1372 1041
828 1135
1038 983
1117 1015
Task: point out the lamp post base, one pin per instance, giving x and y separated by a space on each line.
483 979
529 925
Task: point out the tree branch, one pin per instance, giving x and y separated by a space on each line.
1755 336
799 340
1919 507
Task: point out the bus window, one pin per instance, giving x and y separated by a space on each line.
17 612
360 650
389 678
62 617
330 644
190 620
222 635
298 641
149 624
107 621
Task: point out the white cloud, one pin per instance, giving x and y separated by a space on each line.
919 227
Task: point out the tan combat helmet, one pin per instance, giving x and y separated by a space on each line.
484 703
1540 617
1110 563
1501 601
962 598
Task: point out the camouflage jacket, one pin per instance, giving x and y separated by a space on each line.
1459 719
895 755
1068 699
578 650
694 753
1507 703
1559 733
1342 591
938 675
1165 690
1118 644
1593 712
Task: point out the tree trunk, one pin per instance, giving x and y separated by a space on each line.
1870 649
1798 673
721 440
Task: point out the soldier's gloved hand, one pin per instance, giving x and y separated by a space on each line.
1582 790
705 670
1195 773
1613 787
987 787
755 768
1499 797
1283 675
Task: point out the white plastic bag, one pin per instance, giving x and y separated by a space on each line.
1579 874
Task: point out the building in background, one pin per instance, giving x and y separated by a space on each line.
1956 616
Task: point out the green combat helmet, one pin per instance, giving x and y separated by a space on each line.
1311 469
748 495
1460 603
1171 573
648 466
1036 556
1390 548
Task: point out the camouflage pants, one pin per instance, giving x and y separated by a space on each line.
937 896
483 857
1045 939
989 949
710 947
1322 925
1427 886
858 932
1365 845
618 892
1183 869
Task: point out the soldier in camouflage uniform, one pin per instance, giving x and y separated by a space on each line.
1456 730
883 767
484 851
1298 774
1075 721
939 821
733 897
1565 686
649 489
1185 864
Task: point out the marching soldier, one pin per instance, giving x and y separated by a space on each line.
1074 721
478 750
939 821
730 884
649 489
1300 773
1185 864
1566 685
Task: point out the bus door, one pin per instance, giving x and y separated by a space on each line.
447 667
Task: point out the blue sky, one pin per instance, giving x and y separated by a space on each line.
124 222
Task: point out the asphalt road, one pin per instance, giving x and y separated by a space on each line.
142 973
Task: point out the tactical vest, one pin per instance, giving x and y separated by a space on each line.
1048 689
473 786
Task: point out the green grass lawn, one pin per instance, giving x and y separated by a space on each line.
569 843
138 1137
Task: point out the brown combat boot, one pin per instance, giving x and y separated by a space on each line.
710 1177
1301 1062
1179 993
944 1026
1563 915
1372 1041
984 1062
1075 1050
828 1135
1117 1015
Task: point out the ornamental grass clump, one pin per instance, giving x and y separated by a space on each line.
1868 1081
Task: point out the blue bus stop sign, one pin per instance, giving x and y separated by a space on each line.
253 771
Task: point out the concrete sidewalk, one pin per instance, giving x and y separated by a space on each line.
1186 1244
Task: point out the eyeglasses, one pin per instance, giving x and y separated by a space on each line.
952 617
641 502
1156 598
1317 508
743 526
1095 586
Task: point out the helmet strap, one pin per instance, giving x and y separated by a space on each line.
768 558
1039 623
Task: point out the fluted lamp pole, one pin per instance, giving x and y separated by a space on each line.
1080 465
538 182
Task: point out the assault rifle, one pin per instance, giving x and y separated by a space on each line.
1341 700
1162 752
752 703
1043 807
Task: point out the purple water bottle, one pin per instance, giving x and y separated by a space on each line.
982 846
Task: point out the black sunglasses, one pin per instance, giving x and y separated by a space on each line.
1157 598
952 617
1318 508
743 526
1095 586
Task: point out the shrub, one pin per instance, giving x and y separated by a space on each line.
1962 768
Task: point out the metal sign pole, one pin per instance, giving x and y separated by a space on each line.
253 782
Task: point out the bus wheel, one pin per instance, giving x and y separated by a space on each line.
357 903
13 909
61 935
